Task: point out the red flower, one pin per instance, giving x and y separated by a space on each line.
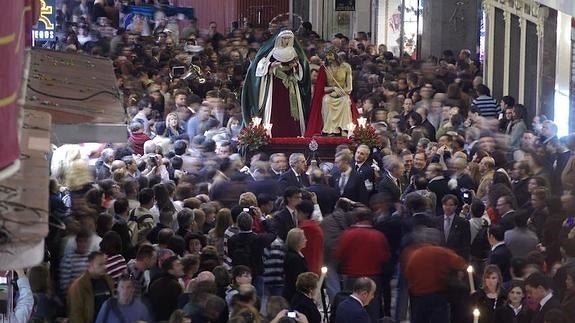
253 137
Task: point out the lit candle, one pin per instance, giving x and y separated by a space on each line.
320 282
351 128
268 127
361 121
256 121
476 315
470 275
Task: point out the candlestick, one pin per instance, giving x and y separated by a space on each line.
351 128
361 121
470 275
256 121
476 315
320 282
268 127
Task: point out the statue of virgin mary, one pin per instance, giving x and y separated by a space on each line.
277 86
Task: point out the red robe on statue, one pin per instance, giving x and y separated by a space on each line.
315 122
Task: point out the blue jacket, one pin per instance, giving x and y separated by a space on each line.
351 311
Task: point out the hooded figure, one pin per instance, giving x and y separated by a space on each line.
277 86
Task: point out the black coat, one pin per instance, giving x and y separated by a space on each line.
306 306
326 197
501 256
441 188
553 303
283 222
459 236
354 188
505 314
389 186
294 264
290 179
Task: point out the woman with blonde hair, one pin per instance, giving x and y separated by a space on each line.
174 130
294 263
216 235
490 296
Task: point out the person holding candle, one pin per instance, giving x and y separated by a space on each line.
489 297
303 300
513 310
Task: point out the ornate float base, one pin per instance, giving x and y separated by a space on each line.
325 146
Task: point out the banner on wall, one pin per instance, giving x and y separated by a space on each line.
344 5
44 29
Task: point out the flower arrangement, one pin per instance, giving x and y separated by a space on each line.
253 136
366 135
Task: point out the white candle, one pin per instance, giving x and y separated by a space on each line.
470 275
351 128
476 315
268 127
320 282
361 121
256 121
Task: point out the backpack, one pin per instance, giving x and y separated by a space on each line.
138 231
242 254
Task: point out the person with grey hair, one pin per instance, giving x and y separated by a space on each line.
296 175
347 181
247 248
390 183
352 309
104 164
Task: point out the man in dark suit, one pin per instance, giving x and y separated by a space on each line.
326 196
455 231
362 166
390 179
538 289
352 309
429 128
500 254
347 181
520 175
286 219
278 165
506 212
296 175
438 184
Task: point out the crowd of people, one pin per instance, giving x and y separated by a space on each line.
174 225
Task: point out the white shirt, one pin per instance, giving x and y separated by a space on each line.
545 299
497 245
516 310
357 299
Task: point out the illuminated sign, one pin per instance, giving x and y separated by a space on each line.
344 5
44 29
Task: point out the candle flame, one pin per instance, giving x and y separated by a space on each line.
324 270
470 269
256 121
476 312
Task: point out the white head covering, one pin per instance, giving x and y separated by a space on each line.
286 53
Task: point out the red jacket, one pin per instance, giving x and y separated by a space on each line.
136 141
426 267
313 251
362 251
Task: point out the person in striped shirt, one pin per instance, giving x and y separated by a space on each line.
111 245
75 263
488 107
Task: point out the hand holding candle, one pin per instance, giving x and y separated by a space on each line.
476 315
471 281
320 282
